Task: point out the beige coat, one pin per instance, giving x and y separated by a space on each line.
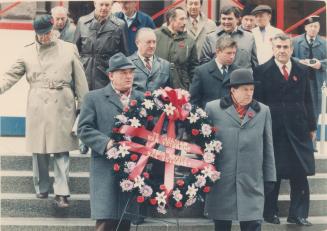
52 72
205 26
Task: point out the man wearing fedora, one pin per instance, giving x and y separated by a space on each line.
50 65
285 89
246 161
95 127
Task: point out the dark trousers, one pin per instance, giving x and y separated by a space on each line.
221 225
111 225
300 198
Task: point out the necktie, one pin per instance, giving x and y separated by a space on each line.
147 63
285 73
224 68
311 41
310 48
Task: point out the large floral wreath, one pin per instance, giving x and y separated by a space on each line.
146 125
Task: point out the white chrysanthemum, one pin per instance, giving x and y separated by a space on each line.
169 109
215 176
123 119
177 195
146 191
209 157
190 201
135 122
191 190
209 147
130 165
148 104
201 181
126 185
217 145
112 153
201 112
206 130
193 118
207 172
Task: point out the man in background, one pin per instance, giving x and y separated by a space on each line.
63 24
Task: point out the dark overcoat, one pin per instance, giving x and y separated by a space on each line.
94 128
209 84
145 80
292 114
97 43
245 162
319 51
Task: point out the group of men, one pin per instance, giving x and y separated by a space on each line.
264 101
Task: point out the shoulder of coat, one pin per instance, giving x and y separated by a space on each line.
30 44
86 18
117 21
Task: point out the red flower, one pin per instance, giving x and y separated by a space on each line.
134 29
214 129
162 187
250 114
116 167
195 132
147 93
194 170
126 109
146 175
178 204
149 118
140 199
295 78
134 157
180 183
153 201
115 130
133 102
206 189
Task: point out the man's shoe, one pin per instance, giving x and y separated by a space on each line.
42 195
83 149
273 220
299 221
61 201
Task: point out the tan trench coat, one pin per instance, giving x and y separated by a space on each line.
52 71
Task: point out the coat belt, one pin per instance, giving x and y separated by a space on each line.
58 85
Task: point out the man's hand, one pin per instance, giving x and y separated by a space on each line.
110 143
316 65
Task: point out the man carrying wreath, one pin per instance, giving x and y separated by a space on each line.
246 162
95 127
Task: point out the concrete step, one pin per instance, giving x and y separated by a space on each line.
22 182
186 224
80 163
27 205
23 162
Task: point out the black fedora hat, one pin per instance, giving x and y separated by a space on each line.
42 24
241 77
119 62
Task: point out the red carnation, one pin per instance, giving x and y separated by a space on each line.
153 201
134 28
115 130
147 93
194 170
214 129
195 132
180 183
250 114
140 199
178 204
133 102
134 157
162 187
116 167
206 189
126 109
146 175
149 118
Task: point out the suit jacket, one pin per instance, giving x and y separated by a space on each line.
144 80
209 84
245 162
319 50
246 55
292 113
94 128
205 26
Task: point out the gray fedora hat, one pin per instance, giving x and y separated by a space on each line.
261 9
119 62
241 77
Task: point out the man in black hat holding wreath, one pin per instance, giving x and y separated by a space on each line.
246 161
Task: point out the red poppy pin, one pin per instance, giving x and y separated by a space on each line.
295 78
134 29
181 44
250 114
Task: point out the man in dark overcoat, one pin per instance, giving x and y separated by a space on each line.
211 79
94 129
98 36
246 161
285 89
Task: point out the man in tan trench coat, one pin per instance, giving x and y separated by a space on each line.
56 77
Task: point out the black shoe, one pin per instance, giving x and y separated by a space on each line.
299 221
61 201
273 220
42 195
83 148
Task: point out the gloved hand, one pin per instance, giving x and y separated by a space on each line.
269 187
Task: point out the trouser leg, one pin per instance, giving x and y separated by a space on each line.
300 197
250 225
111 225
271 200
41 177
221 225
61 174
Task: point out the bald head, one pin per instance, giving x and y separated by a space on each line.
146 42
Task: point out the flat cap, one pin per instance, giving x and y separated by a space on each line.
42 24
241 77
119 62
261 9
312 19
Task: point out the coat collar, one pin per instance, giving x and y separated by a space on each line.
178 36
215 72
220 31
112 96
140 65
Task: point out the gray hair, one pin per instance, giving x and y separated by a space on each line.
59 9
224 42
141 31
283 37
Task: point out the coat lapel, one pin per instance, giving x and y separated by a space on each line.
155 66
113 96
250 114
231 111
138 62
214 71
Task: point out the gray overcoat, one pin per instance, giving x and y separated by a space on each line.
95 127
50 114
245 162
